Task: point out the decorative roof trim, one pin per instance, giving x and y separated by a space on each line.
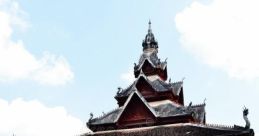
179 89
198 105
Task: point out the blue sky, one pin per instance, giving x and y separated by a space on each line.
67 58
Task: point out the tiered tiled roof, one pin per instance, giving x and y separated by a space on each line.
157 84
152 106
162 110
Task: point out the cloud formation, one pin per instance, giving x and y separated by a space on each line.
31 118
223 34
16 62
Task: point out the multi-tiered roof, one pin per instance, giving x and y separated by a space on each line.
152 100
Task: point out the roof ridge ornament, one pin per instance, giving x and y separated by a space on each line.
183 79
204 101
245 113
90 119
119 90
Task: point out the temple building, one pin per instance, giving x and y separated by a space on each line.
154 106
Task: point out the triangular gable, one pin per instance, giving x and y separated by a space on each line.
132 87
136 110
146 57
148 66
144 87
146 61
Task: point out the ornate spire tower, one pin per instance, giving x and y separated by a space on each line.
149 63
149 43
151 101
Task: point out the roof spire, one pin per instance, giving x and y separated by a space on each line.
149 42
149 27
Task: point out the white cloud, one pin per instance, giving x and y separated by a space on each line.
128 76
223 34
31 118
53 70
16 62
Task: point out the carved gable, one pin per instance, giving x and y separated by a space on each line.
136 112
